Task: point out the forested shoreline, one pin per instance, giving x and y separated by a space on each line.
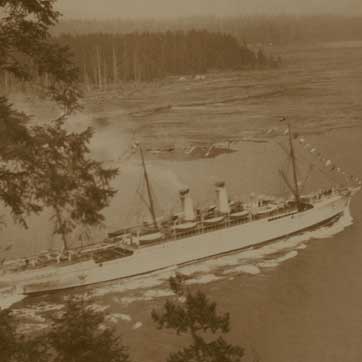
124 50
105 59
256 29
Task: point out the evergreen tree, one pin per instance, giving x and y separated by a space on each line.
32 349
7 336
79 335
195 315
45 166
15 347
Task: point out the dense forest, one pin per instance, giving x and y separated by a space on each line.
146 49
279 30
109 58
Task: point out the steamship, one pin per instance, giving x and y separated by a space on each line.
188 237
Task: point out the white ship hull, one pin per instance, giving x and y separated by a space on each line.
182 251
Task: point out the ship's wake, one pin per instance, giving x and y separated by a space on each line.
252 261
146 288
9 296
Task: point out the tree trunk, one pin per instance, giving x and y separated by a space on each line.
115 66
99 68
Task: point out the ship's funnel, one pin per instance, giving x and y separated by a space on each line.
223 199
187 205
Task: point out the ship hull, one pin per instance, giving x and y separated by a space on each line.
188 250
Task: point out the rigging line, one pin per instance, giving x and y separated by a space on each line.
140 192
283 148
316 161
286 152
293 159
144 201
288 162
287 182
154 197
309 171
327 175
139 214
282 181
127 154
306 179
323 172
149 193
305 158
142 197
132 209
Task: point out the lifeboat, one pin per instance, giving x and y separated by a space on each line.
239 215
150 238
265 210
214 220
186 226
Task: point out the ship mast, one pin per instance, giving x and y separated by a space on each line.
293 187
149 193
295 177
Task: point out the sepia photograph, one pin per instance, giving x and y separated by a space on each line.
180 181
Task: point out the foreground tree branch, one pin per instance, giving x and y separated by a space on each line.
195 315
77 334
45 166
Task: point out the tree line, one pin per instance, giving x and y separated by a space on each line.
254 29
108 58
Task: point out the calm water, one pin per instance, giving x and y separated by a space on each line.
297 300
